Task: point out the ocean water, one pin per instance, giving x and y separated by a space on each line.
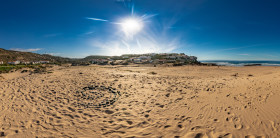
242 63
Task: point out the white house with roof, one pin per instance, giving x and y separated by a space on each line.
137 60
145 57
36 62
171 57
44 62
14 62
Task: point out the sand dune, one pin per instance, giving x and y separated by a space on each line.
115 101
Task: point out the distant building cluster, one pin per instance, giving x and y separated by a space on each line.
25 62
151 58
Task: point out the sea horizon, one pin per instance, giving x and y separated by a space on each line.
242 62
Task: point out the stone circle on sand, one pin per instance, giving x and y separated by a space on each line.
96 97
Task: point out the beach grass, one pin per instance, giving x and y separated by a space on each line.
7 68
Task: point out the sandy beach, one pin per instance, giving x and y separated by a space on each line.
131 101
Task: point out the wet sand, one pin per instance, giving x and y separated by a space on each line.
119 101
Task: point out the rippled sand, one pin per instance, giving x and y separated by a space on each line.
189 101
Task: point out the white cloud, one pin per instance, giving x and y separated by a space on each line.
53 54
237 48
96 19
26 50
88 33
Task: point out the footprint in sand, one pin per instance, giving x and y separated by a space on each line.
129 122
273 126
71 109
2 134
200 116
251 136
195 135
167 126
109 111
179 125
238 126
227 135
216 120
196 128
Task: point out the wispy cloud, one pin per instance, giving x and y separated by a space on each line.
123 0
138 46
243 54
236 48
152 38
53 54
147 16
52 35
26 50
88 33
96 19
149 40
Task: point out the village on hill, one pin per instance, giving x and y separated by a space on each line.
17 62
151 58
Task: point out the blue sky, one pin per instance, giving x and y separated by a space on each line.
208 29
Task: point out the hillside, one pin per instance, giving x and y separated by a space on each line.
93 57
10 55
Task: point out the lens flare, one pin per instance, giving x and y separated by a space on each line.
131 26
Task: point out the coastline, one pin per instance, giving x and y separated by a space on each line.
242 62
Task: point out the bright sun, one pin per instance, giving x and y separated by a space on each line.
131 26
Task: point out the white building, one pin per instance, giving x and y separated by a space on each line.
99 61
145 57
137 60
36 62
44 62
171 57
14 62
1 62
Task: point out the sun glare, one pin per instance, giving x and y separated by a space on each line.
131 26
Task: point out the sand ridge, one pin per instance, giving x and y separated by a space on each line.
188 101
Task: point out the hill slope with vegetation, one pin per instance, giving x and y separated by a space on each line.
10 55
